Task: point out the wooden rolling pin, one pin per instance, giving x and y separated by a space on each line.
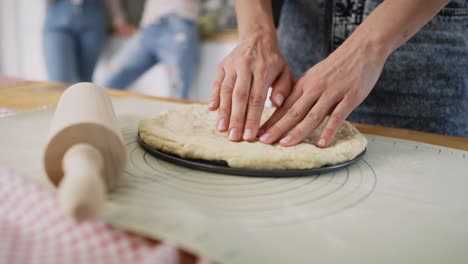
85 153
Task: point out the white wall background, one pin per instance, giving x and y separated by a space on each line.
21 51
20 39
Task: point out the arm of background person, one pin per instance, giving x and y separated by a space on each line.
119 21
244 76
338 84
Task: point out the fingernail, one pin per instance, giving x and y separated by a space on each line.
233 134
279 99
247 134
286 140
322 142
261 131
222 124
211 104
265 137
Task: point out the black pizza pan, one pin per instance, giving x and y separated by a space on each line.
222 166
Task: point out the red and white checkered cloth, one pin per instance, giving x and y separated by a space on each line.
34 230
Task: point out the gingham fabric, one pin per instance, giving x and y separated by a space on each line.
34 230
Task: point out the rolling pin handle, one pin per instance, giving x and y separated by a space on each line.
81 192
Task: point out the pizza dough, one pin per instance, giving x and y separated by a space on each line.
190 132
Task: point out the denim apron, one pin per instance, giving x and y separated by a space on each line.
424 83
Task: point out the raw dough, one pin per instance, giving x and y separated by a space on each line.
190 132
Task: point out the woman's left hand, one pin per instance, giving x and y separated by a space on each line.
334 86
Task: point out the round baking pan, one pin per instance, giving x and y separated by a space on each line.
222 167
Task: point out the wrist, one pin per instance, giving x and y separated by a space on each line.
259 35
378 49
258 32
374 45
254 18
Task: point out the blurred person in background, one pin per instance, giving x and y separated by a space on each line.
74 34
168 35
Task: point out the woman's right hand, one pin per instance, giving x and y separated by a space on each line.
242 83
124 30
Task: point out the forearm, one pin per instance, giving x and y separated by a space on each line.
394 22
118 16
254 17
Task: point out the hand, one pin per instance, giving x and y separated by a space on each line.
334 86
242 83
124 30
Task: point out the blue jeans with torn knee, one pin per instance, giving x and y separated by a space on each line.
172 41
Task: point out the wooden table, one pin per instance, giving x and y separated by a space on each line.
33 95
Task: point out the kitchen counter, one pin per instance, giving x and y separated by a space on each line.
27 95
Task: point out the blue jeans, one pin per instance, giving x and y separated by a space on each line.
74 36
172 41
424 83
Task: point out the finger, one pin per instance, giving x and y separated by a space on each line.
336 119
282 87
293 116
311 121
255 106
281 111
224 113
214 101
240 97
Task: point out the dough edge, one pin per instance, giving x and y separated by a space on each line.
155 133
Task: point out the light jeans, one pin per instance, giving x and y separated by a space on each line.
172 41
74 36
